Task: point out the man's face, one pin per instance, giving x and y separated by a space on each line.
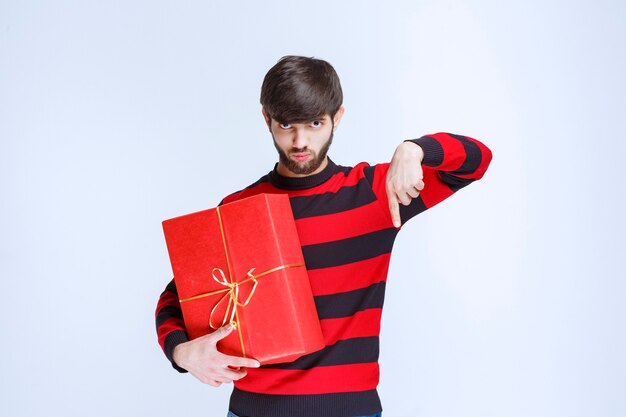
302 147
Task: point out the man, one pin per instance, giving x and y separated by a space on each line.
347 219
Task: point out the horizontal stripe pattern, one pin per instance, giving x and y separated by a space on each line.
166 328
338 226
322 380
350 351
347 303
347 277
455 183
346 198
361 324
413 209
360 403
354 249
168 307
167 313
472 159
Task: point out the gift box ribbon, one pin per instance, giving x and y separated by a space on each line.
231 292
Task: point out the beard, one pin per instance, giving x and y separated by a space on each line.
307 167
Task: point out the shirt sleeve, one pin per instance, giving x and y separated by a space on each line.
450 163
170 326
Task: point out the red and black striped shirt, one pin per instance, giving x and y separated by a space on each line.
347 235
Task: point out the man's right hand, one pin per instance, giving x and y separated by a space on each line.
202 359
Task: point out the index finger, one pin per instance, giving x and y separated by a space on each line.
237 361
394 209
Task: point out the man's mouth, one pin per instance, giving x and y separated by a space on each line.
303 156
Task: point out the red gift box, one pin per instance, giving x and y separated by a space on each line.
242 263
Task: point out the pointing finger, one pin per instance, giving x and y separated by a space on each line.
394 209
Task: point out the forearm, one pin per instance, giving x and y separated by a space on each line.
458 159
449 163
169 323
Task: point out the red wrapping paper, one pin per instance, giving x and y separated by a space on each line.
257 242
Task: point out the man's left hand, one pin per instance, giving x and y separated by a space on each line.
404 178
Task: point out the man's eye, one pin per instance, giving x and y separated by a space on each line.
316 123
285 125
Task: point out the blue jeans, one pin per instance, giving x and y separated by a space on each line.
231 414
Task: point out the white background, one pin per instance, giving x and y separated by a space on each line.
505 300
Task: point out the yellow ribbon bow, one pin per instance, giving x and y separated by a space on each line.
232 295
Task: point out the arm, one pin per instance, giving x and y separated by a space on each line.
421 176
170 326
199 356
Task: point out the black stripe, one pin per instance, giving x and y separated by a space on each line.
166 313
359 403
433 151
473 156
346 304
344 170
171 287
344 352
345 251
263 179
455 183
346 198
172 340
413 209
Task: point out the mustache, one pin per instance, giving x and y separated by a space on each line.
299 150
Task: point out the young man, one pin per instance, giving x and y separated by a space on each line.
347 219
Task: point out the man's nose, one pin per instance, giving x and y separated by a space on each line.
300 139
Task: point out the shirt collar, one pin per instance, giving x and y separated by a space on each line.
301 183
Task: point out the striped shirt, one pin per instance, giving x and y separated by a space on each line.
346 232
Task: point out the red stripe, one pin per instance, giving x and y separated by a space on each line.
322 380
350 276
434 189
453 152
167 327
342 225
168 298
362 324
453 147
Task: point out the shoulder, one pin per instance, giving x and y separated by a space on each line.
358 170
259 186
362 170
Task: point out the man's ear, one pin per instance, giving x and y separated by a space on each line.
338 116
267 118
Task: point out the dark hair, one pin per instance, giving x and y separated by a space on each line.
299 89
